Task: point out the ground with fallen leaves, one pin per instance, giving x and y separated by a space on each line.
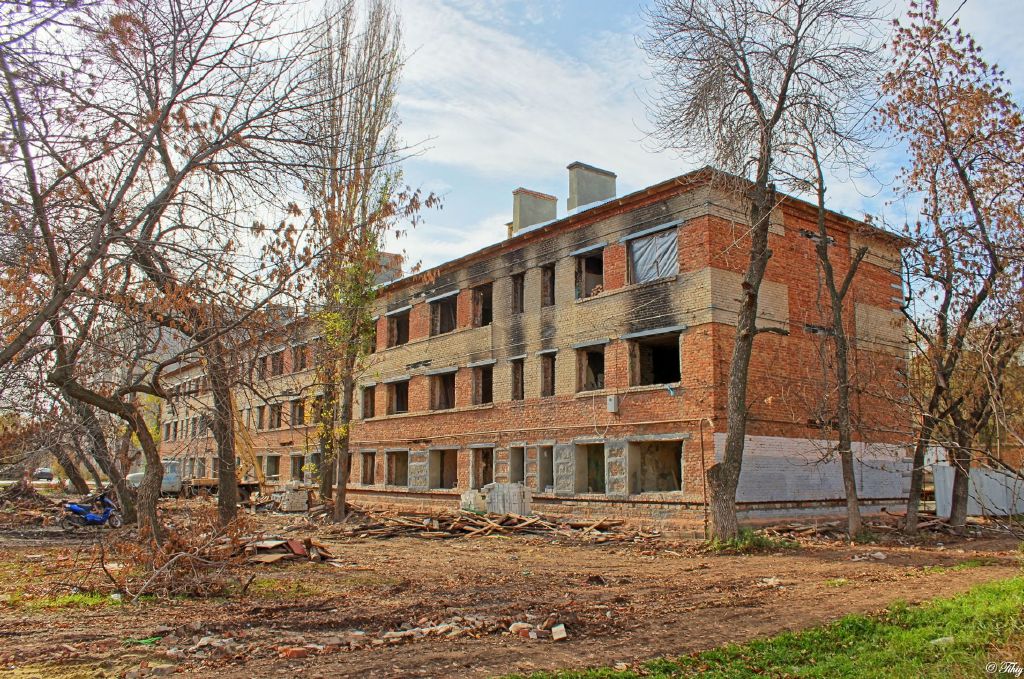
411 606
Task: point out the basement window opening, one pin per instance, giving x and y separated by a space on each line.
398 329
655 466
590 368
368 399
653 257
517 464
483 467
483 385
369 469
518 390
443 469
483 305
398 397
590 468
398 468
655 360
443 315
518 293
546 469
442 391
589 274
547 285
547 375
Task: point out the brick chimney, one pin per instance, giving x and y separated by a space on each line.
529 208
589 184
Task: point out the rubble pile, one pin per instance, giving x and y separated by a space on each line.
265 550
887 523
22 504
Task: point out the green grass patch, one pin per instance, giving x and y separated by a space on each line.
750 542
895 643
837 582
77 600
962 566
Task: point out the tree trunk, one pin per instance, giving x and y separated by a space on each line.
327 441
961 459
723 477
71 470
342 452
924 439
223 425
101 453
91 468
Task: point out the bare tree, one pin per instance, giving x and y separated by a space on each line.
965 135
737 81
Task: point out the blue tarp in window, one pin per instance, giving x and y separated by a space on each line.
654 256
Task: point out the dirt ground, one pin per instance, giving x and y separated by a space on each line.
620 603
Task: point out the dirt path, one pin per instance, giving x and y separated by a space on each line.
619 603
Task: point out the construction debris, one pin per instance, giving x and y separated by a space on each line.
266 550
445 525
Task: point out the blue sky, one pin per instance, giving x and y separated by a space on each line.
499 94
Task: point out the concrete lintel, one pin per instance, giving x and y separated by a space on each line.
516 358
440 448
659 437
364 385
483 445
654 331
591 343
542 352
443 371
443 295
649 231
397 378
368 450
589 248
584 440
480 364
518 444
396 450
399 310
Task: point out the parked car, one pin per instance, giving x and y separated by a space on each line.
43 474
171 484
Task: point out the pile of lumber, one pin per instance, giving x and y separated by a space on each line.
267 550
471 524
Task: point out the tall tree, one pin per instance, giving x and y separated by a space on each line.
965 137
737 79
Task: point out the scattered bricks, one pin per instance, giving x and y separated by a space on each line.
525 633
516 627
293 653
558 632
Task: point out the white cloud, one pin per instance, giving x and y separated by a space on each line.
433 244
497 105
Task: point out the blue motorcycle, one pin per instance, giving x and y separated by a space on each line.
95 511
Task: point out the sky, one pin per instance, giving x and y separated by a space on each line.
498 94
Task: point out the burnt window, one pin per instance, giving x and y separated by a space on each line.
275 416
443 468
397 472
298 413
299 358
590 274
518 390
653 257
590 368
443 315
518 293
442 391
398 328
483 384
277 363
655 359
483 305
368 398
547 374
398 397
369 469
547 285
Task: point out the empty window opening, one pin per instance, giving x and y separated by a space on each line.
398 468
547 375
517 465
655 466
369 397
273 467
398 397
398 329
546 469
298 413
443 315
201 467
518 293
371 337
298 462
590 364
483 384
653 257
299 357
590 468
483 305
483 467
589 275
259 417
277 363
442 391
369 469
518 390
443 468
656 360
275 416
547 285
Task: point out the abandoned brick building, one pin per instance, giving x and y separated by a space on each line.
587 356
